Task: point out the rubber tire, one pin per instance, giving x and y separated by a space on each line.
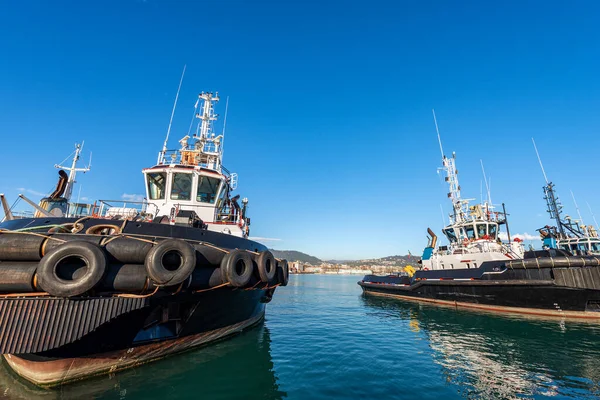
94 258
229 264
163 276
283 272
263 260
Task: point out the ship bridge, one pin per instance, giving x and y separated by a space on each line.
192 178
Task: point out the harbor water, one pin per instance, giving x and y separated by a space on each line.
322 339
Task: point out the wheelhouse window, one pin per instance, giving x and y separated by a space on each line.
493 230
207 189
595 246
470 230
181 189
156 185
481 230
450 234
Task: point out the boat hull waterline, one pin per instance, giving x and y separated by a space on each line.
551 292
54 372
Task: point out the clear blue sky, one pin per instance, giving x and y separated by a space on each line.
329 125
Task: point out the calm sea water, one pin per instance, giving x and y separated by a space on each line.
323 340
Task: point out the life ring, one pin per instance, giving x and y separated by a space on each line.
170 262
425 269
237 268
71 269
283 272
266 266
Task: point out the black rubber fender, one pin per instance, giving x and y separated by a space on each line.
17 277
64 238
170 262
283 272
237 268
266 265
21 247
71 269
208 256
203 278
127 250
129 278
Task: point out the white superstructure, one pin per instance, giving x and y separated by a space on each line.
472 232
193 178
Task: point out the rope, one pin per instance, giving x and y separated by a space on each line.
255 285
214 247
35 234
138 296
137 238
212 288
35 294
32 228
272 287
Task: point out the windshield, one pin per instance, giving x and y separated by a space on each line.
493 228
481 230
182 186
156 185
450 234
470 230
207 189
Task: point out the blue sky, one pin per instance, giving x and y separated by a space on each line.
329 125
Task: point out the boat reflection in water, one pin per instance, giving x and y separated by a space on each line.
229 369
493 356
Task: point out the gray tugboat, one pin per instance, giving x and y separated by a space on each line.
93 289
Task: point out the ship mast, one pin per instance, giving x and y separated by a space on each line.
73 171
449 166
206 142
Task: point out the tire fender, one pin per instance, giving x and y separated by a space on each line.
283 272
237 268
266 266
71 269
170 262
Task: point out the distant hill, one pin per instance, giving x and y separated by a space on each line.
293 255
398 261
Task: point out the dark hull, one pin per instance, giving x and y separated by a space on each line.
53 340
146 229
535 292
119 344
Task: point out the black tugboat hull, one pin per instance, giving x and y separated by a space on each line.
126 319
118 344
541 292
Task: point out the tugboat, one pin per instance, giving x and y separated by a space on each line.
478 271
568 235
92 290
474 231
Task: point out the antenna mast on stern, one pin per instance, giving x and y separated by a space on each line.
73 170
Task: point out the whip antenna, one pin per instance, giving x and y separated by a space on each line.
576 207
540 160
591 212
487 187
438 132
164 149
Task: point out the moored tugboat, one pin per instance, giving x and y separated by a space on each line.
569 235
92 290
477 270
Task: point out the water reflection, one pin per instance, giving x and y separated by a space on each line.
495 356
226 370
